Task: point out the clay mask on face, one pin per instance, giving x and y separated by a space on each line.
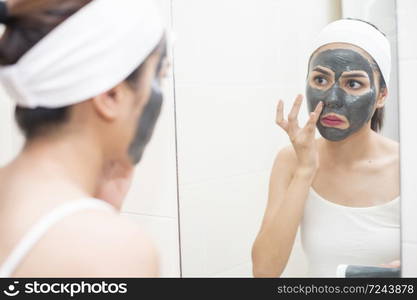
146 123
357 109
149 116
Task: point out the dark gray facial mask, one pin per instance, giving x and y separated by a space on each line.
147 122
150 114
357 109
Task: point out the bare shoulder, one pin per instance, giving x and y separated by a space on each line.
126 248
388 141
102 244
390 147
284 165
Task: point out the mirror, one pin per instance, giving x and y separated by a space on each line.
232 62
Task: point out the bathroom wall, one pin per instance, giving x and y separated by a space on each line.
233 60
407 52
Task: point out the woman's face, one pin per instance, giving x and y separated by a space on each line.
150 110
343 78
141 101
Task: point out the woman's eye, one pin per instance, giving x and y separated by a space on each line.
320 80
353 84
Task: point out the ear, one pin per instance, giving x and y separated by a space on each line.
106 105
382 96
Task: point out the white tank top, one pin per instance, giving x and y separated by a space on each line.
35 233
333 234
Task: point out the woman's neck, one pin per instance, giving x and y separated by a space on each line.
359 146
74 161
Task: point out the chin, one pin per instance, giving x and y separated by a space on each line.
332 134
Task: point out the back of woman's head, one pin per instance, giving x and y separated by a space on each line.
31 20
28 22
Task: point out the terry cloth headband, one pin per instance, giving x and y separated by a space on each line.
89 53
362 35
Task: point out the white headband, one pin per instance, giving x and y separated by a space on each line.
89 53
362 35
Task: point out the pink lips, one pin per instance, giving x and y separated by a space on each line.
332 120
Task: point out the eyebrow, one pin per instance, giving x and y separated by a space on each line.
321 70
354 74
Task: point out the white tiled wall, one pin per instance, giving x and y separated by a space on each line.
407 52
233 60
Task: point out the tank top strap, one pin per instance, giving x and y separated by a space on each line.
35 233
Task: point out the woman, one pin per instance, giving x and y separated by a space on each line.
85 76
341 189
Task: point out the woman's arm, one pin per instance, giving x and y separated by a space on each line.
288 190
291 178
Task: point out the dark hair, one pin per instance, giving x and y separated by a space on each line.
377 120
28 22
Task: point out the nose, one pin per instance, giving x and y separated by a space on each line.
334 100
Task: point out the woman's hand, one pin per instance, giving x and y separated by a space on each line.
393 264
115 183
302 139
